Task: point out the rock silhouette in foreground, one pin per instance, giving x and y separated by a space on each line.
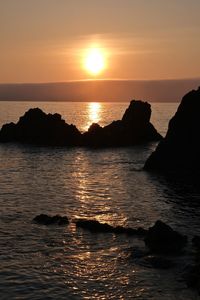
37 127
44 219
161 238
180 149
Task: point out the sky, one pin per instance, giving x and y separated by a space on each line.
46 40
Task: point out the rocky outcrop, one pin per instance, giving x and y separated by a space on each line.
37 127
180 149
134 128
97 227
161 238
44 219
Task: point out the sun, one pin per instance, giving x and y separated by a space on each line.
94 61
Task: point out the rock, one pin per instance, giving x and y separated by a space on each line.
94 136
134 128
93 225
44 219
37 127
161 238
97 227
179 150
130 231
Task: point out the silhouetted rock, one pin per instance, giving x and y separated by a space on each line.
44 219
130 231
180 149
134 128
37 127
95 226
161 238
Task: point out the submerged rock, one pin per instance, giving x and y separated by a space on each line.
161 238
134 128
180 149
37 127
44 219
97 227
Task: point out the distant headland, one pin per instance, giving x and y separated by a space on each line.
99 90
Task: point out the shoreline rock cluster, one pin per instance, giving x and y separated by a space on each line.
39 128
160 238
161 241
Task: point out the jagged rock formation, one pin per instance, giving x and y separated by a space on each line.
37 127
180 149
134 128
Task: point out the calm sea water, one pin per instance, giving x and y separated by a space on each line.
38 262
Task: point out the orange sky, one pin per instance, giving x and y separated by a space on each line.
45 40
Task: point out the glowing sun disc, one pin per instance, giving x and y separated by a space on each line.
94 61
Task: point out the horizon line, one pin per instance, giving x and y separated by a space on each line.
103 79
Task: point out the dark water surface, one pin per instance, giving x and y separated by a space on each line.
38 262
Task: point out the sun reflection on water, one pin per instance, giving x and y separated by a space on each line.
94 113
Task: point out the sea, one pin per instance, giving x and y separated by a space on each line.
108 185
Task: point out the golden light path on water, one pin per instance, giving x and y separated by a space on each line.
94 113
